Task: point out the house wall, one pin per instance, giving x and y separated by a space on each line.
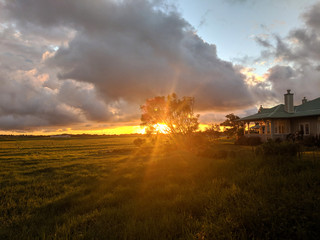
287 126
282 126
313 122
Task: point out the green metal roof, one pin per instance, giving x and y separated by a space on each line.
310 108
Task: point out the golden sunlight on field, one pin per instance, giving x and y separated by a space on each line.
108 187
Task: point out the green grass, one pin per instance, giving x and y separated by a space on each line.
106 188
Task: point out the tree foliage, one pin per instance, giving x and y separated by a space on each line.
176 114
213 131
231 123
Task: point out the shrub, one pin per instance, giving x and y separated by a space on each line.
221 154
240 132
278 140
272 148
191 142
139 142
254 141
309 141
241 141
216 154
250 141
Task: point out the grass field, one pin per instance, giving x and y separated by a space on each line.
106 188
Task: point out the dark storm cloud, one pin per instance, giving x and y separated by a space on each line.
84 98
312 17
28 97
30 94
26 103
132 50
303 81
15 54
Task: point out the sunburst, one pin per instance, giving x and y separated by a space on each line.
161 128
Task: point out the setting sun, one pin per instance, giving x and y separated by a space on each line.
162 128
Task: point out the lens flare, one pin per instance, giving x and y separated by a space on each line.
161 128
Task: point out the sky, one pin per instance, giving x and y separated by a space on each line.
82 66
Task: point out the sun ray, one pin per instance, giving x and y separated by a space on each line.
161 128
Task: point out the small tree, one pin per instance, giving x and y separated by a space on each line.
231 123
213 131
175 114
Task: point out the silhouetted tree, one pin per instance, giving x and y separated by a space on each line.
213 131
232 124
177 114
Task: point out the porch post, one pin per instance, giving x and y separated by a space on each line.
244 128
272 128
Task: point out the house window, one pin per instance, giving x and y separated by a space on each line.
280 127
302 128
305 128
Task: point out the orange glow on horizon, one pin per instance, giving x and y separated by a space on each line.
135 129
108 131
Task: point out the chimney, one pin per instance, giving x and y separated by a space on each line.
304 100
288 101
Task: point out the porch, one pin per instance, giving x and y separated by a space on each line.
267 129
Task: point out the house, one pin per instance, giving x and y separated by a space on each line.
285 120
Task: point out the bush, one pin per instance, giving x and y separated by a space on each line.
249 141
216 154
139 142
241 141
310 141
240 132
191 142
254 141
272 148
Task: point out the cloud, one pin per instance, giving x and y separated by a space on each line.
131 50
296 58
312 17
24 103
150 53
100 60
301 46
83 97
303 81
203 19
79 62
263 42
